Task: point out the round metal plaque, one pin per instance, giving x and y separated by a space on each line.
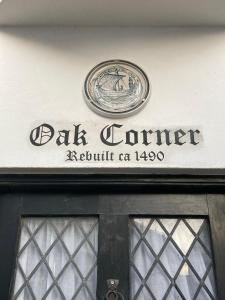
116 88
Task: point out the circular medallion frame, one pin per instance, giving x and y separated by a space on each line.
117 88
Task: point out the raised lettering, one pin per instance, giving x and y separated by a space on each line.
41 135
178 134
107 135
79 136
63 137
192 136
131 137
159 137
146 133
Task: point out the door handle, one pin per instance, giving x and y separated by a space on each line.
113 293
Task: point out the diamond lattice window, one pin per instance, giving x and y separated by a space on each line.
57 259
171 259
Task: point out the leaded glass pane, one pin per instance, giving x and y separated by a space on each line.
57 259
171 259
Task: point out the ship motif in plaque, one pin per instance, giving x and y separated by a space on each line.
116 88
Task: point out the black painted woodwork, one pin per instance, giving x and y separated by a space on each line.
113 255
216 205
113 197
115 180
10 210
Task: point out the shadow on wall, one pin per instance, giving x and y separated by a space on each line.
123 43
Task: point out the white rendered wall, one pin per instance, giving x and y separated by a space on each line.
42 72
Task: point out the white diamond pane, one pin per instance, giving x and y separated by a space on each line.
72 280
18 281
198 253
25 294
160 286
29 258
187 282
24 238
152 236
40 281
195 224
173 295
203 295
143 259
144 295
183 237
49 233
210 282
57 259
171 259
168 224
72 236
32 226
85 261
54 294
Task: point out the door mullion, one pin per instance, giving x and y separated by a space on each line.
10 209
217 224
113 253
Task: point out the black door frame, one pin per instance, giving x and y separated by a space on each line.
207 186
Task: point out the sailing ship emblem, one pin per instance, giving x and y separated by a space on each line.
116 88
113 86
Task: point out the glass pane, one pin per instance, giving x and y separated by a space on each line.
171 259
57 259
